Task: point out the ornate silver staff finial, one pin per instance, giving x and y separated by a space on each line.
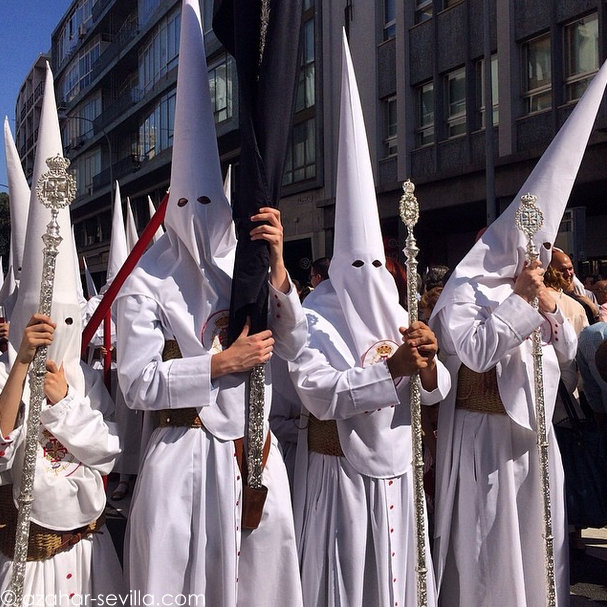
55 189
529 219
409 213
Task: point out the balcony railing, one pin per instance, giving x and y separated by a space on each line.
127 31
121 168
98 8
120 106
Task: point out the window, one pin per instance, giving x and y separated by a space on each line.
423 10
156 129
74 29
305 97
581 55
146 9
480 80
78 126
456 102
538 74
220 83
207 15
88 166
424 127
301 155
160 53
78 73
300 164
390 126
389 19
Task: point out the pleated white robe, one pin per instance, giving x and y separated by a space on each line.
355 530
78 447
489 528
184 535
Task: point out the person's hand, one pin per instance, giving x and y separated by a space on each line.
420 336
272 232
408 358
55 384
529 284
246 352
3 331
38 332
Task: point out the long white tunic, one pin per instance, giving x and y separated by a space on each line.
76 448
184 534
488 548
354 514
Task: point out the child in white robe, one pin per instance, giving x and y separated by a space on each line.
71 557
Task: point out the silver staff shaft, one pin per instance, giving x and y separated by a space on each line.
55 189
409 213
255 426
529 220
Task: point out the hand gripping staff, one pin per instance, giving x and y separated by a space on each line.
529 220
409 213
55 189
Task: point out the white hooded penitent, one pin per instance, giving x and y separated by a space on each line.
198 213
65 310
498 256
160 231
19 200
118 245
131 227
91 288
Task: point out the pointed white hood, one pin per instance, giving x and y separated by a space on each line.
118 246
198 215
79 289
360 300
227 184
65 307
487 272
131 227
366 290
160 231
19 199
91 288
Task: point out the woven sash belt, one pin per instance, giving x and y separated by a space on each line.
478 392
323 437
43 543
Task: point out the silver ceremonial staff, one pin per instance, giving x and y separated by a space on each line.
529 220
255 426
55 190
409 213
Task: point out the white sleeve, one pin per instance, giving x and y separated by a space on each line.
482 338
146 381
288 322
83 431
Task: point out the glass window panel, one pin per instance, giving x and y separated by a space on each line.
581 55
538 84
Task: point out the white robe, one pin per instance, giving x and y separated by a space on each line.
488 522
355 530
77 447
184 534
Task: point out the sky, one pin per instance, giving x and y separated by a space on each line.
27 26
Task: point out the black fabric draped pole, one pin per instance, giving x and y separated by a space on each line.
263 37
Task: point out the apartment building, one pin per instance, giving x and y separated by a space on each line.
420 66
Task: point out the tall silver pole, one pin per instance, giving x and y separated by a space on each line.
529 220
409 213
55 190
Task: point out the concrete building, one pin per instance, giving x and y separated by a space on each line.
27 113
420 69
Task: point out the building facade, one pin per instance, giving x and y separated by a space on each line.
27 113
422 67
